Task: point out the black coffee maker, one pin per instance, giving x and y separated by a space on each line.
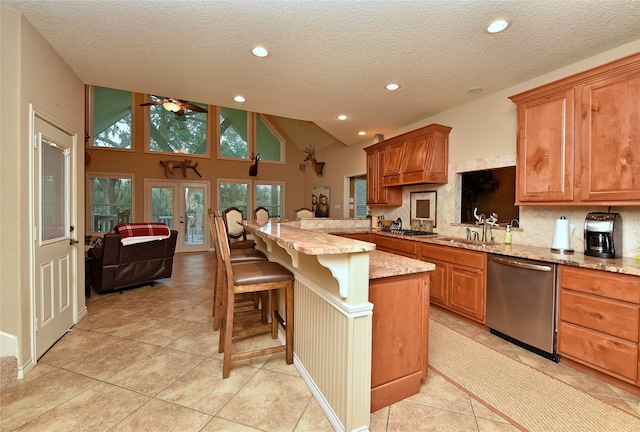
603 235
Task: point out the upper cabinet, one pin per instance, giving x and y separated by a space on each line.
579 139
376 194
419 156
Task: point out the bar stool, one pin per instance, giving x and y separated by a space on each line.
261 215
233 217
236 256
253 277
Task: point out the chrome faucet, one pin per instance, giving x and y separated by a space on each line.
468 233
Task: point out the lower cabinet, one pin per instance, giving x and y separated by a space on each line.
395 245
599 321
400 332
459 281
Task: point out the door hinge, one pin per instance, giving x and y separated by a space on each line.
35 233
35 141
36 323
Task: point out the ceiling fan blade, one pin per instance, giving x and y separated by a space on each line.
151 103
193 107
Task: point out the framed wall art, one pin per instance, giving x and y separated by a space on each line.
423 209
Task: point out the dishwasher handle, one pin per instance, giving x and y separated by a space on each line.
520 264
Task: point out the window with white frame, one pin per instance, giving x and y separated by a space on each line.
234 141
270 195
110 201
234 193
173 133
111 118
269 144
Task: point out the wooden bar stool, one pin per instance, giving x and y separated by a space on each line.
236 256
235 232
248 278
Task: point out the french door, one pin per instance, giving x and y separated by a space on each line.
183 207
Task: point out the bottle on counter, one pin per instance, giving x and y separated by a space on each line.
507 235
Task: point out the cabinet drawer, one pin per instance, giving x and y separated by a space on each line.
606 353
606 284
604 315
454 255
395 245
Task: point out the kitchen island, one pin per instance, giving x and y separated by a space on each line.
343 290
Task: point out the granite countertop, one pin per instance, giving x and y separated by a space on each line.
319 242
619 265
310 242
385 264
314 242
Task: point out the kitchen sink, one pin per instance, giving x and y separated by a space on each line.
466 241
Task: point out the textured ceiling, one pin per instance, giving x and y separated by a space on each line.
327 57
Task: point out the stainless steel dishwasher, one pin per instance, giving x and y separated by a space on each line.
522 298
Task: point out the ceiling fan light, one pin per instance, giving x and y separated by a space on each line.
171 106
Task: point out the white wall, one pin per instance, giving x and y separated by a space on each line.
32 74
484 136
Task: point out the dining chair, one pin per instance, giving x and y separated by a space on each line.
248 278
233 219
303 213
236 256
261 215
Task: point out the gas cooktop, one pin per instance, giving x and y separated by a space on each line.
411 232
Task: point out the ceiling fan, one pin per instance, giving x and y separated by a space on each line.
176 106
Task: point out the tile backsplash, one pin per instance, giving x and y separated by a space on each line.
537 223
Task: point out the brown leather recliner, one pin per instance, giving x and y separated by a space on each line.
115 267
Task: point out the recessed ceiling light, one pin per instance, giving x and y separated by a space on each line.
496 26
475 90
392 86
239 99
362 133
260 51
343 117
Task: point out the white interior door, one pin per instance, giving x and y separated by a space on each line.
182 206
54 253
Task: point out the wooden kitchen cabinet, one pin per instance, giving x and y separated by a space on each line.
376 194
395 245
599 321
459 281
400 333
419 156
611 138
578 138
544 160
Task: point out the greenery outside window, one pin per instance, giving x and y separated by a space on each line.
111 118
110 201
270 196
170 133
233 193
233 133
268 144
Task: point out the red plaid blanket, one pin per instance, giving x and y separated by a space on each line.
143 231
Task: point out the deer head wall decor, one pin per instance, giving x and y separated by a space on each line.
311 159
253 169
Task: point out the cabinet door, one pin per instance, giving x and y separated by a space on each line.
376 194
393 163
467 293
438 282
373 182
611 139
426 158
545 150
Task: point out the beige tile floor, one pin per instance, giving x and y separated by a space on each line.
147 359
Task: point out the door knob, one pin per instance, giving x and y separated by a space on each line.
73 242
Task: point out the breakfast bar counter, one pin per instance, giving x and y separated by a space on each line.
342 349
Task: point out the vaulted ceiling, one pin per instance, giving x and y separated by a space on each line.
327 57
